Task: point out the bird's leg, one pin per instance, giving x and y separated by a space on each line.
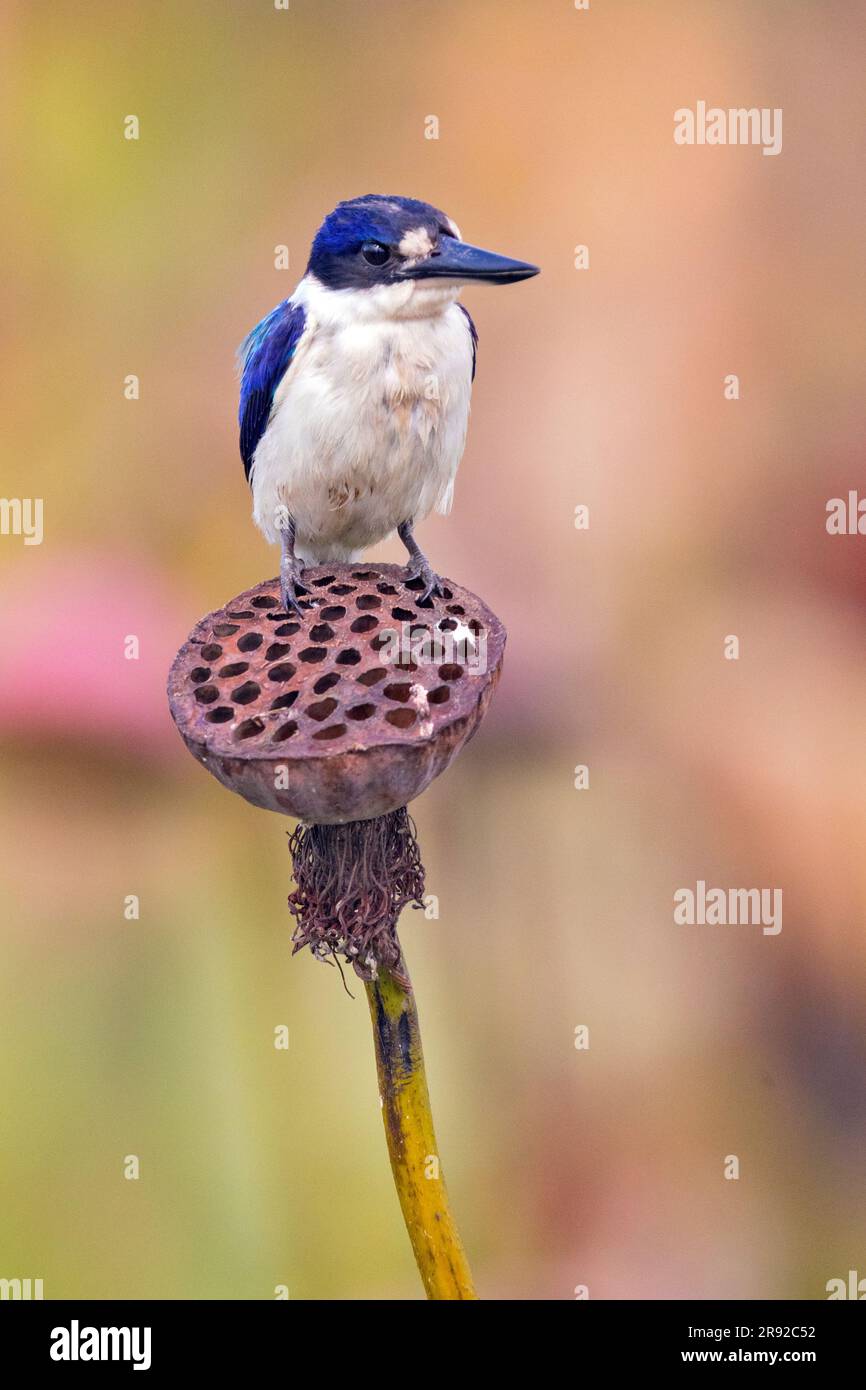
291 569
418 566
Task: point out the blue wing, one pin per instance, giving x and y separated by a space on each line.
473 333
265 356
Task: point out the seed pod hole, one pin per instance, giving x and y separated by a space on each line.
285 731
250 728
332 731
327 682
401 718
322 709
246 693
358 712
285 701
277 650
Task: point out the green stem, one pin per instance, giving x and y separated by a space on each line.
411 1140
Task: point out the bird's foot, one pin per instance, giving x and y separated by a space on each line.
291 579
419 568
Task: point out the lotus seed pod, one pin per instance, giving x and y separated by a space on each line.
347 711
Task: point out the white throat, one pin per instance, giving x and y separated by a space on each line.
406 299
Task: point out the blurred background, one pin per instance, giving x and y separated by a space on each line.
604 387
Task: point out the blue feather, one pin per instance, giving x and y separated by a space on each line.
265 355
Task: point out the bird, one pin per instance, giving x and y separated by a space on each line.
355 391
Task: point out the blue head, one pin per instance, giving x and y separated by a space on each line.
379 240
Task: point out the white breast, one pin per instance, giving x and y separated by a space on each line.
369 423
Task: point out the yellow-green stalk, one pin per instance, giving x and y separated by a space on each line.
411 1139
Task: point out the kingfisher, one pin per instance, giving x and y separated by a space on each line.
354 400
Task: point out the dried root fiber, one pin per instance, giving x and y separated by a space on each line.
352 882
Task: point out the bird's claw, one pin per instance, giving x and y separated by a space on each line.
420 569
291 577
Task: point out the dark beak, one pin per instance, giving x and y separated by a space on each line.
455 260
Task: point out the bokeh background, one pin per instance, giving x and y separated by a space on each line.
707 518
